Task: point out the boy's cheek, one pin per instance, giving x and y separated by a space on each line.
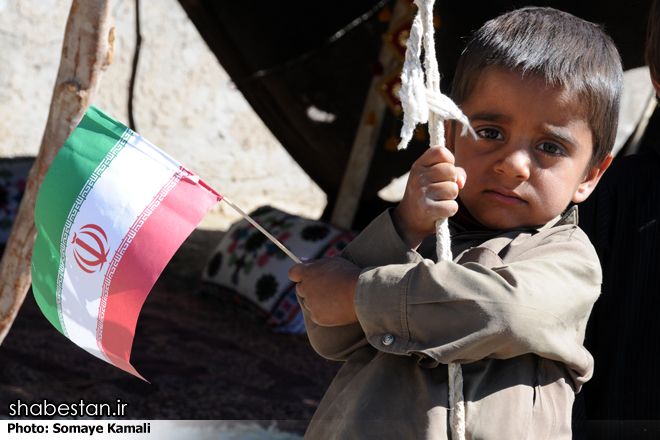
450 138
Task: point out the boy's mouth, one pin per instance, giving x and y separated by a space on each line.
504 196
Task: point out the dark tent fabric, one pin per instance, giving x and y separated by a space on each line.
287 57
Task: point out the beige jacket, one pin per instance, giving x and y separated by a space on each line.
512 309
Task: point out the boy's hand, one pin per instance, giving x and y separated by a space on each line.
327 290
430 195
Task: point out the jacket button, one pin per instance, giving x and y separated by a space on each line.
388 340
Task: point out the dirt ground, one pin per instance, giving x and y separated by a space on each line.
203 361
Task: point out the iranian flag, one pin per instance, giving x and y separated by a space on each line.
110 214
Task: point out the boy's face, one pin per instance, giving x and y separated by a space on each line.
534 147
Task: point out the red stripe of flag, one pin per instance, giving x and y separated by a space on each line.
149 252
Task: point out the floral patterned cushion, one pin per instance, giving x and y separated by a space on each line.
250 273
13 176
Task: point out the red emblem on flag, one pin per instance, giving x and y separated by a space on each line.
89 251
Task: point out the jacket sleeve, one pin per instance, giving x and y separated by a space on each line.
378 245
538 302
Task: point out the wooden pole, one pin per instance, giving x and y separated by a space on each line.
87 51
364 143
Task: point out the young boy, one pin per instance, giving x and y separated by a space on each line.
541 89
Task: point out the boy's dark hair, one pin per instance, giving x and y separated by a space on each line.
653 41
567 51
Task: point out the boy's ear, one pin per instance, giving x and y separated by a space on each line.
591 179
656 85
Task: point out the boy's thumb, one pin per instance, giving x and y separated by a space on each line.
295 273
461 177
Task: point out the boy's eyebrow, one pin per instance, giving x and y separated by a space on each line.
561 135
489 117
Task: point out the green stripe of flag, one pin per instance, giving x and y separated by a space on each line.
87 146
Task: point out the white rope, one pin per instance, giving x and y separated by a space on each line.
417 100
413 92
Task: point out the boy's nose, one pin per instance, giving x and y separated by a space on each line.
515 164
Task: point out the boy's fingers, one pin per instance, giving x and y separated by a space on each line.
441 191
295 273
442 154
435 155
445 209
441 172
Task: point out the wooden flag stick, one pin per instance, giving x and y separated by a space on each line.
263 231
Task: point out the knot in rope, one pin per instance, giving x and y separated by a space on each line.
417 98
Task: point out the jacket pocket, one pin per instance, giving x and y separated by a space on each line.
553 400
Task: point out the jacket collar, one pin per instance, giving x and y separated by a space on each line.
569 217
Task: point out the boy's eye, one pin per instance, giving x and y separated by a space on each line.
490 134
551 149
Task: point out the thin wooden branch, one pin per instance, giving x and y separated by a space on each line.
136 57
87 51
